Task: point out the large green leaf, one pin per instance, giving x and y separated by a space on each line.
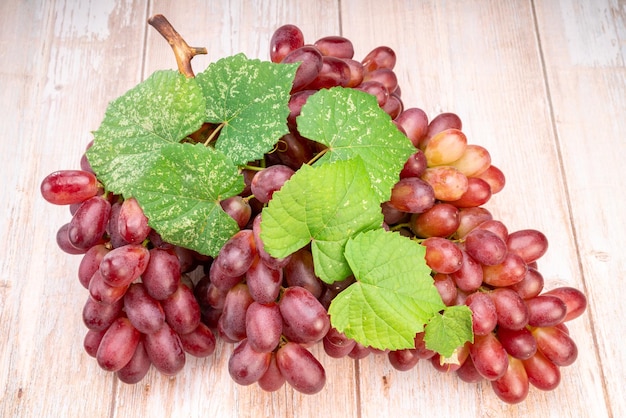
249 99
180 194
351 123
393 296
161 110
323 206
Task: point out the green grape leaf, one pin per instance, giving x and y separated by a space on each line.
161 110
323 206
351 123
450 330
249 99
180 194
393 296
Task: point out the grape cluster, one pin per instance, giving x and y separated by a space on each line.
144 308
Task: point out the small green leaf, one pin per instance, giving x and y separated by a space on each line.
161 110
323 206
250 98
180 194
351 123
450 330
393 296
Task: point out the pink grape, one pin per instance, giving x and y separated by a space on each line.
102 292
263 282
484 315
478 193
414 165
394 105
556 345
485 247
439 123
414 122
520 343
335 72
99 316
356 72
162 275
470 218
575 301
447 182
512 387
494 177
531 285
468 373
384 76
545 311
272 262
311 62
247 366
232 322
237 208
133 224
200 342
512 269
122 265
300 368
118 345
488 356
285 39
299 271
269 180
90 262
336 344
441 220
376 89
474 161
445 147
165 350
144 312
264 326
446 287
403 360
510 307
412 195
469 277
89 223
272 379
137 367
335 46
442 255
541 372
92 340
379 57
63 241
237 254
69 186
529 244
181 309
305 319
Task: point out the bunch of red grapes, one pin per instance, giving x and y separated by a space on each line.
151 303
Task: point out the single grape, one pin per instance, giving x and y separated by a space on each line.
531 285
293 150
545 311
513 386
264 326
92 340
132 223
468 373
447 182
336 344
414 165
489 357
89 223
474 161
512 269
376 89
445 147
162 275
403 360
394 105
414 123
90 262
470 218
412 195
300 368
575 301
478 193
446 287
237 254
442 255
304 318
165 350
118 345
529 244
285 39
137 368
143 311
200 342
335 72
356 72
494 177
379 57
269 180
439 123
232 322
311 62
300 271
384 76
63 241
69 186
541 372
272 379
556 345
237 208
520 343
469 277
485 247
181 309
247 366
99 316
102 292
263 282
335 46
510 307
484 315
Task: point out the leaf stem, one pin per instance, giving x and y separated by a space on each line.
318 156
214 134
183 52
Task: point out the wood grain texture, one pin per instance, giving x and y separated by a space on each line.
541 84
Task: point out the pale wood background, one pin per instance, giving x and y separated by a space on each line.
540 83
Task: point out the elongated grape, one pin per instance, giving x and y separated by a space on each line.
335 72
92 340
181 309
285 39
237 208
494 177
264 326
575 301
237 254
89 223
474 161
69 186
447 182
335 46
200 342
300 271
394 105
510 307
300 368
541 372
132 223
484 315
162 275
414 123
403 360
247 366
63 241
513 386
412 195
138 366
144 312
232 322
272 262
311 62
414 165
529 244
442 255
102 292
445 147
379 57
470 218
293 150
336 344
441 220
446 287
468 373
90 262
490 358
263 282
99 316
272 379
556 345
305 319
122 265
520 343
485 247
478 193
469 277
531 285
384 76
512 269
165 350
118 345
545 311
439 123
356 72
376 89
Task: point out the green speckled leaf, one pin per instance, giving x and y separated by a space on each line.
250 98
351 123
180 194
161 110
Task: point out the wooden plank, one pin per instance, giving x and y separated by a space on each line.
62 63
584 46
481 60
227 28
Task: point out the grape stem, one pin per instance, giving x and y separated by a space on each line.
183 52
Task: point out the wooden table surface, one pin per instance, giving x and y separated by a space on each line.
540 83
